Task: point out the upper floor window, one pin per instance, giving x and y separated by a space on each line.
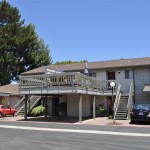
128 74
92 74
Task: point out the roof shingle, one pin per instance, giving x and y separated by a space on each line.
10 89
120 63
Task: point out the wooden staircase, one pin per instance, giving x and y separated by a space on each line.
122 111
30 104
123 104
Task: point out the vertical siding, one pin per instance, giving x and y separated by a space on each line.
125 83
101 74
49 104
62 99
73 105
142 78
13 100
120 77
87 103
101 100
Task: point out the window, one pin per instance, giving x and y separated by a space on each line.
92 74
3 107
128 74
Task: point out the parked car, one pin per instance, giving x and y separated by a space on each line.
140 112
4 111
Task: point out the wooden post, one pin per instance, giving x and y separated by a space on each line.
45 106
94 106
29 106
80 108
25 109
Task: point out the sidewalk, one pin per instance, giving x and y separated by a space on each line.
106 121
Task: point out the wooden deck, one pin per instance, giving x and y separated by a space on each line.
64 83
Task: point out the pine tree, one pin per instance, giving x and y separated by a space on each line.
20 47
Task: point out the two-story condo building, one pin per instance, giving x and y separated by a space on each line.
82 93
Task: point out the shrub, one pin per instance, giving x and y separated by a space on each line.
110 117
100 110
37 111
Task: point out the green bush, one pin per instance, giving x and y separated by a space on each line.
110 117
100 110
37 111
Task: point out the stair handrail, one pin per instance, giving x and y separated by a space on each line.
19 102
117 100
28 105
34 103
19 110
130 99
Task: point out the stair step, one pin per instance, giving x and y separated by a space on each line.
122 111
121 118
33 99
121 114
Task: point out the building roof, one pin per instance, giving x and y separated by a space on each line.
10 89
120 63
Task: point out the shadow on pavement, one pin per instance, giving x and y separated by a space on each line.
140 123
58 119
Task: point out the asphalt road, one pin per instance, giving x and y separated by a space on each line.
29 136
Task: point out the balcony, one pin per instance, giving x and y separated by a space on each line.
63 83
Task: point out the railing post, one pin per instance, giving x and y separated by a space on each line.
80 107
94 106
25 111
45 106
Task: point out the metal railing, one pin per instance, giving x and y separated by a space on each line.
75 80
32 101
130 99
19 103
117 101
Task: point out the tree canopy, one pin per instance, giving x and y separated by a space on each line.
67 62
20 47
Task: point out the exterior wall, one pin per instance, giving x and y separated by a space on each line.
73 105
13 100
49 104
142 78
120 77
87 103
101 74
9 100
62 99
101 100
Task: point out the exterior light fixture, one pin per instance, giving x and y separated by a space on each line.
112 85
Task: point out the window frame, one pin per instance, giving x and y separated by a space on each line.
128 74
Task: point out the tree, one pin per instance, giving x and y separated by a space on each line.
68 62
20 47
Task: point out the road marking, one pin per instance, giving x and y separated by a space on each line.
76 131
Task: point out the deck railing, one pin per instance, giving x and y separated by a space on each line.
74 80
130 99
116 103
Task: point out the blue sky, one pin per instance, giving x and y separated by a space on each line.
90 29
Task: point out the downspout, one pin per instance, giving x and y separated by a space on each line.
134 85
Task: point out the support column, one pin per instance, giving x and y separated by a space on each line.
29 106
94 106
25 109
80 108
45 106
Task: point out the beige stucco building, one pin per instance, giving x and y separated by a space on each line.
124 72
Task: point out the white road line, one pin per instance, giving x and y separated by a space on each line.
76 131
